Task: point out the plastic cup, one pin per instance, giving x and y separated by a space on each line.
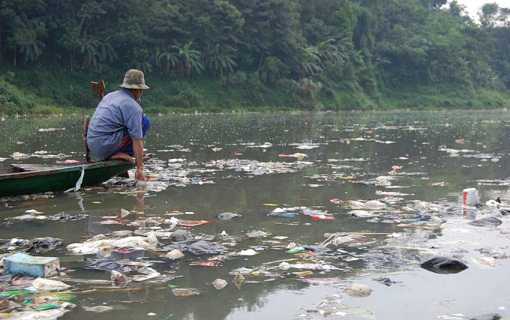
470 197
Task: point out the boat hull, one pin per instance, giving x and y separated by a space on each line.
55 179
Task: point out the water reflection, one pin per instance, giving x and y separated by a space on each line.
141 192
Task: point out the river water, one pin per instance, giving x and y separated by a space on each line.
415 164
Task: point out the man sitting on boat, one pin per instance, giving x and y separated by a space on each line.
118 127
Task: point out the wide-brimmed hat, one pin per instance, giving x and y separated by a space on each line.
134 79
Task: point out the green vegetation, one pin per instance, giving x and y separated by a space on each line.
217 55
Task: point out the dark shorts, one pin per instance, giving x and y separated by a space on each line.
126 146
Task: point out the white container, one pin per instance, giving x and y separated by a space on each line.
470 197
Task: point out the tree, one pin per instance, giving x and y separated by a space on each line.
273 69
220 61
436 4
311 61
26 38
189 59
455 9
488 14
22 23
168 59
95 52
346 45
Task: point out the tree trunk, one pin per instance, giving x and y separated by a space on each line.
15 55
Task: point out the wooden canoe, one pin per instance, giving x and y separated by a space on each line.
30 178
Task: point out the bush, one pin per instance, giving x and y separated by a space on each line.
186 98
12 99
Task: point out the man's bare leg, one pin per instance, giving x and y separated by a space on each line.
123 156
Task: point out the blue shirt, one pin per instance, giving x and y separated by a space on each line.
118 115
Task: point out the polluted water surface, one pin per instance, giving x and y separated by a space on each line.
287 216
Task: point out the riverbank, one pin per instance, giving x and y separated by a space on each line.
43 92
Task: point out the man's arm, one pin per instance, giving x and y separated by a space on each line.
138 150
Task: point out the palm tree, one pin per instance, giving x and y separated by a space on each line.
26 39
329 52
169 59
89 50
30 48
272 69
189 59
220 61
106 52
317 58
312 61
95 52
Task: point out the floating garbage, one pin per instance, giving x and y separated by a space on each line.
181 235
386 281
198 248
293 212
98 309
489 316
219 284
257 168
225 216
39 245
470 197
307 266
298 156
147 274
92 246
358 290
51 129
33 211
444 265
486 222
254 234
35 299
65 217
127 253
207 263
332 307
108 265
363 213
286 212
322 217
24 264
246 253
174 254
239 280
367 205
41 284
192 223
30 217
139 251
485 261
336 240
305 146
119 279
43 314
185 292
296 250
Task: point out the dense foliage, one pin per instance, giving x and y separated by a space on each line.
314 51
